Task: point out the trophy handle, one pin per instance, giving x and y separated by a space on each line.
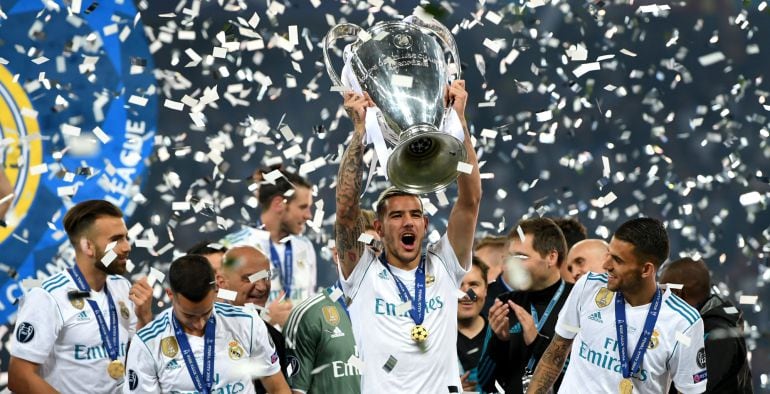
445 38
341 30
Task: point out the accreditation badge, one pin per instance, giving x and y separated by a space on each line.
331 315
604 297
169 347
235 351
123 309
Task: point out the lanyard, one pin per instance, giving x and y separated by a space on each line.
539 323
631 367
203 381
417 312
341 300
286 268
110 339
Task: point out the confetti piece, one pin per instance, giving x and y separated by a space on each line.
748 300
365 238
577 53
403 308
711 58
39 169
136 100
493 17
130 266
318 370
750 198
228 295
356 362
683 339
109 257
586 68
180 206
731 310
30 283
335 294
544 116
492 45
70 130
155 276
402 81
465 168
520 232
257 276
675 286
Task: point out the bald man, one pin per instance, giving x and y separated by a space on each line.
585 256
726 363
246 271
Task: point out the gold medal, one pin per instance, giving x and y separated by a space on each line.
626 386
116 369
419 333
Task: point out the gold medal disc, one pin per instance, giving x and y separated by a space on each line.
116 369
626 386
419 333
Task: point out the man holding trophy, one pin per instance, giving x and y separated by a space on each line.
404 302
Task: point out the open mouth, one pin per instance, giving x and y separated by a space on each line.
408 240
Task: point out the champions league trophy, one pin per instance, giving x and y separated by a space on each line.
403 66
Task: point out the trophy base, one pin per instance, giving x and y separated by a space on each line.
425 160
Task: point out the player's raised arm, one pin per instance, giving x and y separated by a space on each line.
349 224
550 365
462 219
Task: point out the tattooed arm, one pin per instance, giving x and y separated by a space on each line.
350 224
550 365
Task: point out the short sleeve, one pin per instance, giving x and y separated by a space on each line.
302 346
443 249
351 285
38 324
569 316
264 357
141 374
688 363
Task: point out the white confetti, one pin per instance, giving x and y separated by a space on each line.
675 286
586 68
365 238
711 58
748 300
465 168
136 100
403 308
683 339
335 294
228 295
494 17
492 45
750 198
520 232
155 276
402 81
109 257
101 135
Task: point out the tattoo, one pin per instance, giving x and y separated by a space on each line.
349 224
550 365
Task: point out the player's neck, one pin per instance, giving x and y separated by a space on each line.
642 295
403 265
272 222
470 327
93 276
552 279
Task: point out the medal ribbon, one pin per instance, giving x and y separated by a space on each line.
631 367
110 336
203 382
341 300
539 323
417 312
286 268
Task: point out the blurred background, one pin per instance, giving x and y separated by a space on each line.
600 110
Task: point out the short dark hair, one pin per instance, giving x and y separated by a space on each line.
573 230
206 247
80 217
191 276
388 194
649 238
477 262
693 274
491 240
546 236
289 181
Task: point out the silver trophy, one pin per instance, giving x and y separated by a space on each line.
406 67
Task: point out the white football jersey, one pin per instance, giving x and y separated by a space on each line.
303 283
243 350
393 363
675 352
63 336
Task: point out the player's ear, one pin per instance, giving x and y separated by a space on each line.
170 294
86 247
648 269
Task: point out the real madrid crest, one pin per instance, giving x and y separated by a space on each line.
77 303
123 309
331 315
169 347
604 297
654 340
234 350
429 280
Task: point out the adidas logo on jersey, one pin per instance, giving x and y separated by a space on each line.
336 333
383 274
172 365
83 316
596 316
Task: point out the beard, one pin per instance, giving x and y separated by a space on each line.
115 268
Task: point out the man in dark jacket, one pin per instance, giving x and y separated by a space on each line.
726 362
521 322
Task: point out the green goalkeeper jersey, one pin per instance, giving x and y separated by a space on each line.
319 347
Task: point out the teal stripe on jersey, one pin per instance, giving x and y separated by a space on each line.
152 331
685 307
600 278
54 282
486 367
679 310
233 314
